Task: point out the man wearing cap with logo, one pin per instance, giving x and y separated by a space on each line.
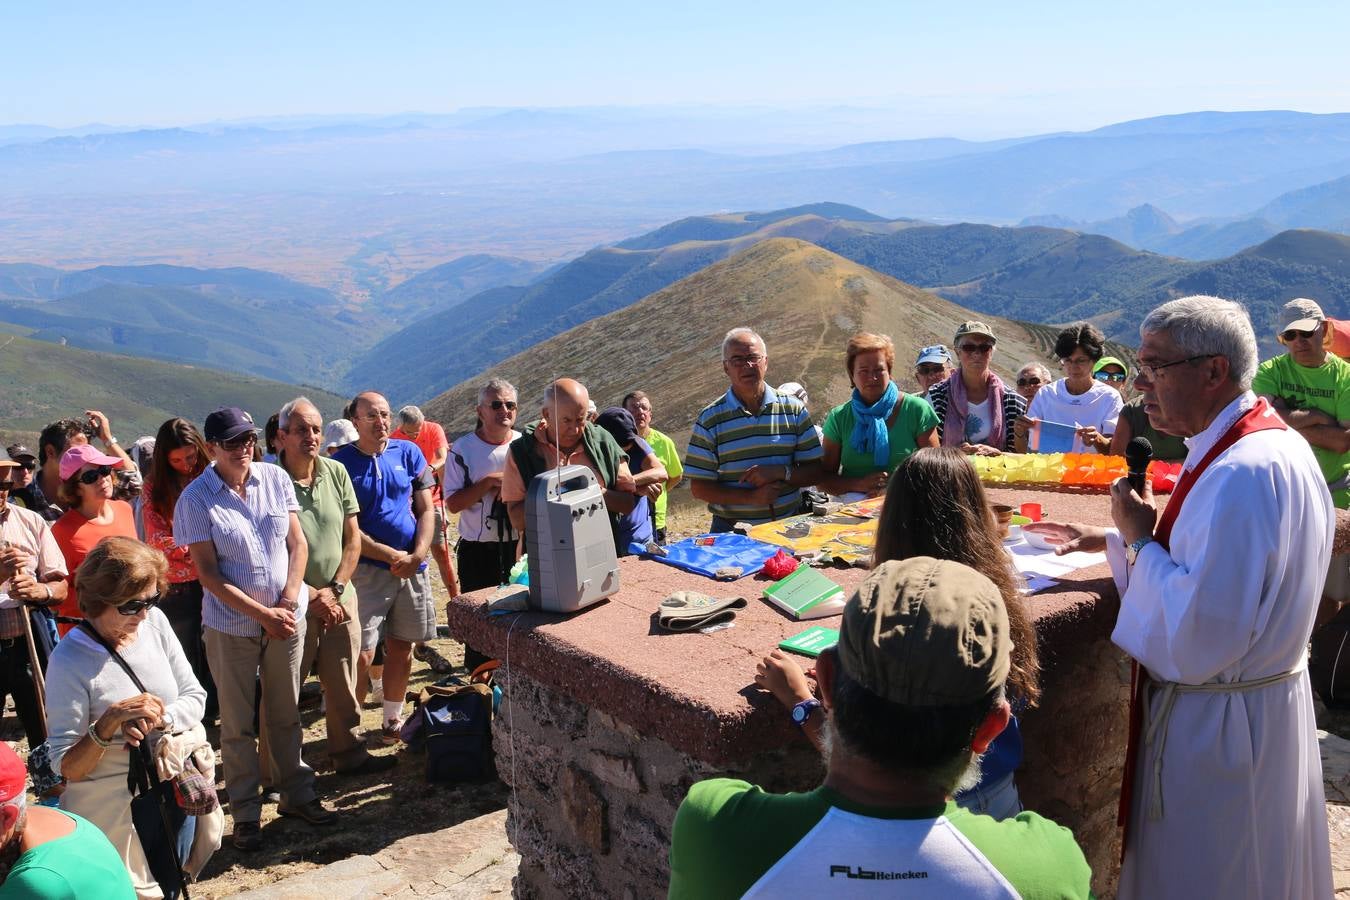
753 449
649 477
239 522
1310 389
913 695
1223 793
393 589
51 854
32 574
933 365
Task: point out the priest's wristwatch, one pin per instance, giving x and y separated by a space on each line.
1132 552
802 711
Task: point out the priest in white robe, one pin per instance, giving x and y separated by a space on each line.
1218 598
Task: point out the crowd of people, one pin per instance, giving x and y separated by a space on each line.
201 577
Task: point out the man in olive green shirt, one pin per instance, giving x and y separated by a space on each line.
327 515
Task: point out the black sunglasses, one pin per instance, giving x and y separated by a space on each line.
247 439
1110 376
93 475
1027 382
27 466
132 607
975 348
1294 334
498 404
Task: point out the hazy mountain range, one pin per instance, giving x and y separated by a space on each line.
359 204
466 316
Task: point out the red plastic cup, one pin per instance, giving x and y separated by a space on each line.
1032 511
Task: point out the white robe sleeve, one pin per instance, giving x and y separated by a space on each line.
1189 615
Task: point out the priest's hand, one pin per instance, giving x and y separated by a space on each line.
1069 537
1134 514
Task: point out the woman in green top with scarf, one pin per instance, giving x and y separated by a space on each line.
866 438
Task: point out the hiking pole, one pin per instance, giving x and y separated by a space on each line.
39 682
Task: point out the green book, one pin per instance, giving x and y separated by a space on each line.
806 594
811 641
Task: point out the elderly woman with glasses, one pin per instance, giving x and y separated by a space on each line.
975 409
1077 401
96 713
87 488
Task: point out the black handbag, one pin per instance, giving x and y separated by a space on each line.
155 813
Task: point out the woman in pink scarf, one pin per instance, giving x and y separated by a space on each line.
975 408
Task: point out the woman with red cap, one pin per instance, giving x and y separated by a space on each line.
47 853
87 489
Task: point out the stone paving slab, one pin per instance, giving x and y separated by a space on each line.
468 861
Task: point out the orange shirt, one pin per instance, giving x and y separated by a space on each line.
431 441
76 536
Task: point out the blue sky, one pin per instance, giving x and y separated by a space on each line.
968 69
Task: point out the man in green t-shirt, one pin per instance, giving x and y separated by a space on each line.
912 695
1310 388
327 514
48 854
640 406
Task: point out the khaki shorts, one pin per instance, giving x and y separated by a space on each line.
400 608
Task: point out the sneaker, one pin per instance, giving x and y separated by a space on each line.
371 765
313 812
389 734
247 836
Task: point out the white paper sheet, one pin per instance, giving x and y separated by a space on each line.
1031 560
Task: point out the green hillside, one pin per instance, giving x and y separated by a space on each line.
41 382
263 337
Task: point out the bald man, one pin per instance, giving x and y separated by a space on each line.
564 436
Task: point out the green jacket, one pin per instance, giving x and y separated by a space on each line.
600 447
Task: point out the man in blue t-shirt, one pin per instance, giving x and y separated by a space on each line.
393 591
913 693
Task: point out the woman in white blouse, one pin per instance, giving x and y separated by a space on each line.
96 715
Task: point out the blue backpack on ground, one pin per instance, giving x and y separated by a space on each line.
453 725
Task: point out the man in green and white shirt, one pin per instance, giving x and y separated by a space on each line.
1310 389
913 694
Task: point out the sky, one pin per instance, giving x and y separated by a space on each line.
974 69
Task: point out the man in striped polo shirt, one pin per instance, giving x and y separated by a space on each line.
752 450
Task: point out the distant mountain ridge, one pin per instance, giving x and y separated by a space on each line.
805 300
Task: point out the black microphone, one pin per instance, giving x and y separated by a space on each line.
1138 454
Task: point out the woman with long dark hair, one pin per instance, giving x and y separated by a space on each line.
180 456
935 506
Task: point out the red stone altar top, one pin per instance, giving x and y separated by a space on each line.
697 691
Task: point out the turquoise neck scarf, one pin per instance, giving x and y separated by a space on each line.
870 434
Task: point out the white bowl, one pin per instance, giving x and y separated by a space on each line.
1038 540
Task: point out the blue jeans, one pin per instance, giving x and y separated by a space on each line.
999 800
